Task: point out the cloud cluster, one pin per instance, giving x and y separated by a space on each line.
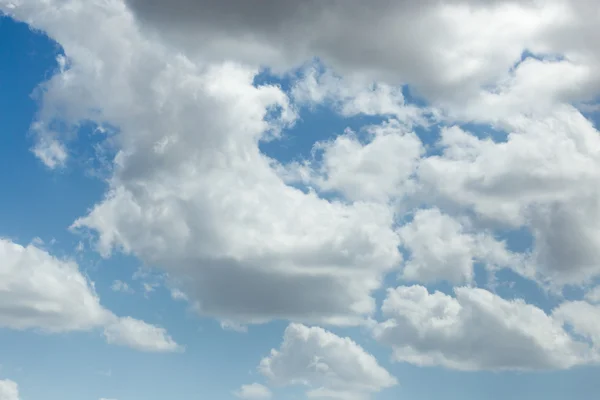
190 191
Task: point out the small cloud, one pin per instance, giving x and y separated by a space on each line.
140 335
149 288
177 294
52 153
254 391
233 326
120 286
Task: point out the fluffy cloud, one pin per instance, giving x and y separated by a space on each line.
329 365
541 178
39 291
139 335
9 390
583 318
351 97
476 330
377 169
441 248
254 391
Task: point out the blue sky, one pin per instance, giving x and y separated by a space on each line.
532 335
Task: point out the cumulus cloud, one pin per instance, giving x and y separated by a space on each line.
477 330
139 335
328 365
254 391
378 168
441 248
39 291
540 178
9 390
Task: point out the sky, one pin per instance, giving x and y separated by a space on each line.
334 200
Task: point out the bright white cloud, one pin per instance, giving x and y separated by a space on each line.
254 391
476 330
9 390
139 335
39 291
328 365
352 97
441 248
541 178
583 318
376 169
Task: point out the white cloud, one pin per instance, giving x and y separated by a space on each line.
139 335
120 286
51 152
378 169
441 248
9 390
39 291
583 318
541 178
352 96
328 365
476 330
254 391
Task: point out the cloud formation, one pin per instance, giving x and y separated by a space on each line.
41 292
328 365
248 240
478 330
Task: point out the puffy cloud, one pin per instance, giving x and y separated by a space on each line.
378 169
139 335
254 391
441 248
352 97
476 330
329 365
583 318
541 178
39 291
9 390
